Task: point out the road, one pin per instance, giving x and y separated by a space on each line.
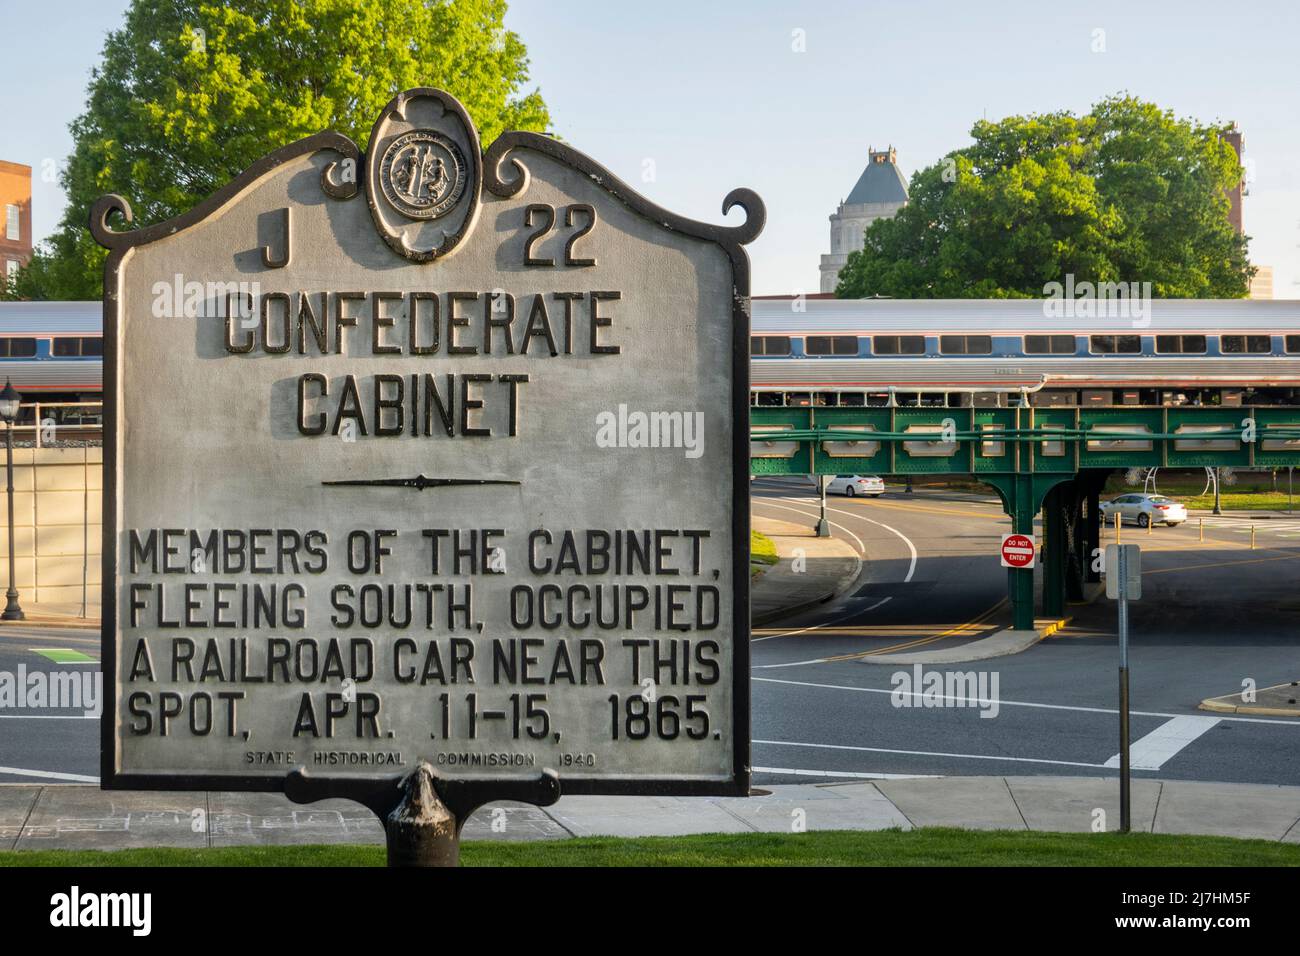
48 744
1213 614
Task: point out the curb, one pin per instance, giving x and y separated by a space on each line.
1242 515
43 623
768 617
776 614
1001 643
1225 705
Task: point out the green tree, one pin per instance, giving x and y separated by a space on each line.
1126 193
190 93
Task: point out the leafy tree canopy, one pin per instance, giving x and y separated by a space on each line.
190 93
1126 193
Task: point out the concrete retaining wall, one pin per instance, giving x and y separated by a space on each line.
57 529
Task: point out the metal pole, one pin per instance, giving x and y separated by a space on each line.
823 526
12 611
85 526
1122 571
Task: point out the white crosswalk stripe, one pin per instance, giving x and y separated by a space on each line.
1157 747
1243 526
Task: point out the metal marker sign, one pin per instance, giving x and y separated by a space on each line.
427 453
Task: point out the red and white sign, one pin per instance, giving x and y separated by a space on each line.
1018 551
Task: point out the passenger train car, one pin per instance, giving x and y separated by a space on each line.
821 351
53 351
825 351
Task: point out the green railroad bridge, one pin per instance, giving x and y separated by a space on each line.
1054 460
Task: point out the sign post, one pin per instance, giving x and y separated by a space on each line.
823 526
427 482
1123 584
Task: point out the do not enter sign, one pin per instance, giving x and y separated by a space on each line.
1018 551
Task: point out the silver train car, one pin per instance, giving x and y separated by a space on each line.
823 351
53 351
959 352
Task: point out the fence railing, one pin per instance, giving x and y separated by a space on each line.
43 424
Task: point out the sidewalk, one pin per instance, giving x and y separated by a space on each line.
1242 515
47 614
84 817
810 570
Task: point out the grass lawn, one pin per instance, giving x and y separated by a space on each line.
924 847
762 553
1238 501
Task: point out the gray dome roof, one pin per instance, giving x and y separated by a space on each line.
881 181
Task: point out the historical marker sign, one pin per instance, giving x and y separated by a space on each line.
427 453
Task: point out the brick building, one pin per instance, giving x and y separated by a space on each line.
15 216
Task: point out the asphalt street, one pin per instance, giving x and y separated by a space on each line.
50 745
1213 615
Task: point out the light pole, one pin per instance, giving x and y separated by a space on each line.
9 399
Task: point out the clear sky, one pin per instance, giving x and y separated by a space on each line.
786 97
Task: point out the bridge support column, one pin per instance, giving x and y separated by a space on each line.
1022 495
1055 550
1091 532
1020 583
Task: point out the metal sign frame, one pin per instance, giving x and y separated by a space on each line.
508 148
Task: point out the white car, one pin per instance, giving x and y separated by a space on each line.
1144 510
852 485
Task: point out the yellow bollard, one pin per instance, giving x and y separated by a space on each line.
1151 523
1201 536
1252 537
1117 526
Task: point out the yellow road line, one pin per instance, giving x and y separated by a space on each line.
865 629
1222 564
960 629
899 506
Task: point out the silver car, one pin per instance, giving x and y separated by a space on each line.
1144 510
852 485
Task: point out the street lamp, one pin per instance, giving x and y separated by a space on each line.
9 399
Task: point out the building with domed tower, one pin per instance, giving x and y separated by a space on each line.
879 193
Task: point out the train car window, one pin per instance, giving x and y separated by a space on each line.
1050 345
1245 344
769 345
831 345
966 344
17 348
69 346
898 344
1293 343
1180 344
1115 344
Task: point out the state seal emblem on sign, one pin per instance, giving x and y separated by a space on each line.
423 174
